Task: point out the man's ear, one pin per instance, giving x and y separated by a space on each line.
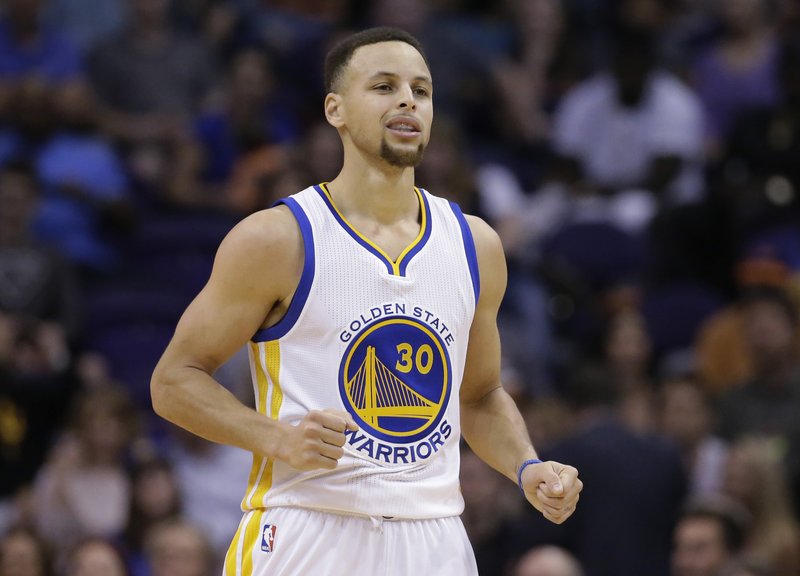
334 110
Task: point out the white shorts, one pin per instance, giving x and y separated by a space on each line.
301 542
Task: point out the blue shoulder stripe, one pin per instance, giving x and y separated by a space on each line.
469 250
306 278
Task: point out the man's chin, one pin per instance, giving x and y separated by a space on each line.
402 158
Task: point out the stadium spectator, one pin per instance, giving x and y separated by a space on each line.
754 477
85 190
38 282
95 557
687 416
633 127
178 548
635 485
768 403
209 475
83 489
150 78
710 533
154 498
253 118
628 359
29 47
738 70
531 82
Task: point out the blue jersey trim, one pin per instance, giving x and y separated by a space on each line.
306 278
469 249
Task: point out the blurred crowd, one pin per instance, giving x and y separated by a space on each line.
639 158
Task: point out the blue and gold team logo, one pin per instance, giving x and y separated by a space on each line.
395 379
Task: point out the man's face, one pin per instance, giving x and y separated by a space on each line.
386 102
699 548
685 416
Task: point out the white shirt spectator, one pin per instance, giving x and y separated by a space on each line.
616 144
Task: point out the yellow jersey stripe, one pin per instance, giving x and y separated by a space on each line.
256 473
395 263
274 367
273 362
261 378
262 390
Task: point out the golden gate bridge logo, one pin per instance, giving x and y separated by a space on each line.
376 392
395 379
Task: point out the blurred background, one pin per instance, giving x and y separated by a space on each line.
639 158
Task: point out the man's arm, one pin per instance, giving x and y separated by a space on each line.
255 273
490 420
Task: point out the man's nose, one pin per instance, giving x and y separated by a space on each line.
407 98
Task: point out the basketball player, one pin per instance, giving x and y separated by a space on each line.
369 309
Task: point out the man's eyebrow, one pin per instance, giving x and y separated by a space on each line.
425 79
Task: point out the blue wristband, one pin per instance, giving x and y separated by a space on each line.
522 468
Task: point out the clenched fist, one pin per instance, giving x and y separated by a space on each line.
552 488
316 442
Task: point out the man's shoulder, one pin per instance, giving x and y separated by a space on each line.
483 235
264 249
280 221
271 229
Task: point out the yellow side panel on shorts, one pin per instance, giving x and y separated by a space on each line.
251 533
233 550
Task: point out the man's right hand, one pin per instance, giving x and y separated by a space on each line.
316 442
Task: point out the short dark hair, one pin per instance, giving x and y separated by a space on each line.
339 56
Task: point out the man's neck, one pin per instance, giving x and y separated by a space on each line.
375 191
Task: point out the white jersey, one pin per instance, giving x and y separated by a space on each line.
386 341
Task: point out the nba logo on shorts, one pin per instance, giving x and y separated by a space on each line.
268 538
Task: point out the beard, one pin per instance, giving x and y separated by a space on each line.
401 159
